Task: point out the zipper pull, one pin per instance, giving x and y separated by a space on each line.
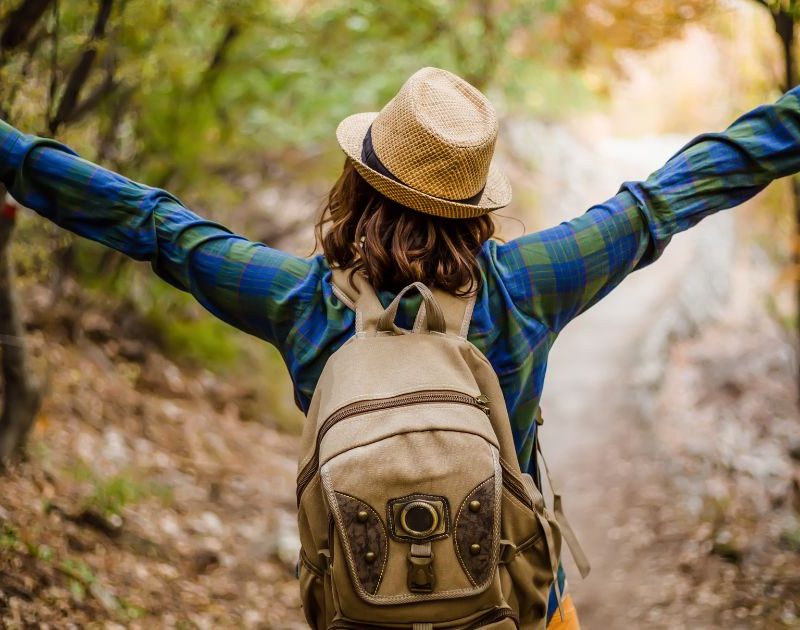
483 402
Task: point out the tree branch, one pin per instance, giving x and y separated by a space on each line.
21 22
22 394
101 91
218 58
80 73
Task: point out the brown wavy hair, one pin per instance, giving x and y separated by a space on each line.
394 245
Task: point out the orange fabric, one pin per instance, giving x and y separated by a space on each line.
570 621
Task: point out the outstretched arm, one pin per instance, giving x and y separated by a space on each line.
251 286
558 273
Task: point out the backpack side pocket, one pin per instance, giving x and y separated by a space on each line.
312 591
531 546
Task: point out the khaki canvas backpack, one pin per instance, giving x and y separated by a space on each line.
413 511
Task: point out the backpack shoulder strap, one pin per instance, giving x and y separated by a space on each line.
354 290
457 312
359 296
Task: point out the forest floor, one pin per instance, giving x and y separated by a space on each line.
146 501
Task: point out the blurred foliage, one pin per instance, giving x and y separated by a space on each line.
194 91
592 32
111 495
9 537
791 7
215 100
183 333
179 95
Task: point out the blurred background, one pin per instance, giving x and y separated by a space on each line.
155 487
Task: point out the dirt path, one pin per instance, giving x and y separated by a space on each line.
593 430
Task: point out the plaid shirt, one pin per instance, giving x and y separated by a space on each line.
533 286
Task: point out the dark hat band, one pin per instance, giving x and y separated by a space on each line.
371 159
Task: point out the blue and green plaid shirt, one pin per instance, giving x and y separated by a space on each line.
533 286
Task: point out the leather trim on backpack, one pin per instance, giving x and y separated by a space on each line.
473 526
366 535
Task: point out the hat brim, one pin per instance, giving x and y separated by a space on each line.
496 194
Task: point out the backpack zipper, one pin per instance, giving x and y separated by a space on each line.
492 616
366 406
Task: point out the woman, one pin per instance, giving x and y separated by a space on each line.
413 203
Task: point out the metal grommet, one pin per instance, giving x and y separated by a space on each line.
474 506
419 518
475 549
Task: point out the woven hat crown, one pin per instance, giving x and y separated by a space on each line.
437 135
430 148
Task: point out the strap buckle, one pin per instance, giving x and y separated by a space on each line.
508 551
324 556
420 568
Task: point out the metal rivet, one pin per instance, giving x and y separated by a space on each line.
370 557
362 516
475 549
474 506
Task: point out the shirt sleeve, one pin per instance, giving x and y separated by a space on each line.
247 284
558 273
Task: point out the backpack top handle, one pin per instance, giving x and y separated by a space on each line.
433 320
353 290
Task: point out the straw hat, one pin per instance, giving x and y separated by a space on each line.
430 148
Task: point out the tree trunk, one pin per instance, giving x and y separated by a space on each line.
796 265
783 18
785 28
22 395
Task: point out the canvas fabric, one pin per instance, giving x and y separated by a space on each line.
404 439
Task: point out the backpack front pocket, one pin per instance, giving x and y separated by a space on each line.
416 506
